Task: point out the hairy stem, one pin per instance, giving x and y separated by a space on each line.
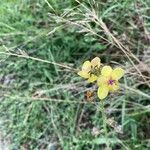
104 118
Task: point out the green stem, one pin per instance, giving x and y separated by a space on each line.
104 118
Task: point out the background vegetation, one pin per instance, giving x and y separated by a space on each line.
42 103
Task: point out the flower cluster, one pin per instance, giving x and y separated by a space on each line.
106 77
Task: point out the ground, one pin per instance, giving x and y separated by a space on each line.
43 102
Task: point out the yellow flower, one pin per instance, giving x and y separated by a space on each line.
108 81
90 69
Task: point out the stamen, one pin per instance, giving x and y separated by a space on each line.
94 70
111 82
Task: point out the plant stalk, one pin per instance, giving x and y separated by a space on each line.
104 118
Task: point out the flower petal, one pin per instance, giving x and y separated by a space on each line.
102 80
114 87
86 66
96 62
117 73
102 92
84 74
106 71
92 78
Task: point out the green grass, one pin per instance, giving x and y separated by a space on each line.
42 106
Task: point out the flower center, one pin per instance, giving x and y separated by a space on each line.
111 82
95 70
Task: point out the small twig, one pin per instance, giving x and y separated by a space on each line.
37 59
